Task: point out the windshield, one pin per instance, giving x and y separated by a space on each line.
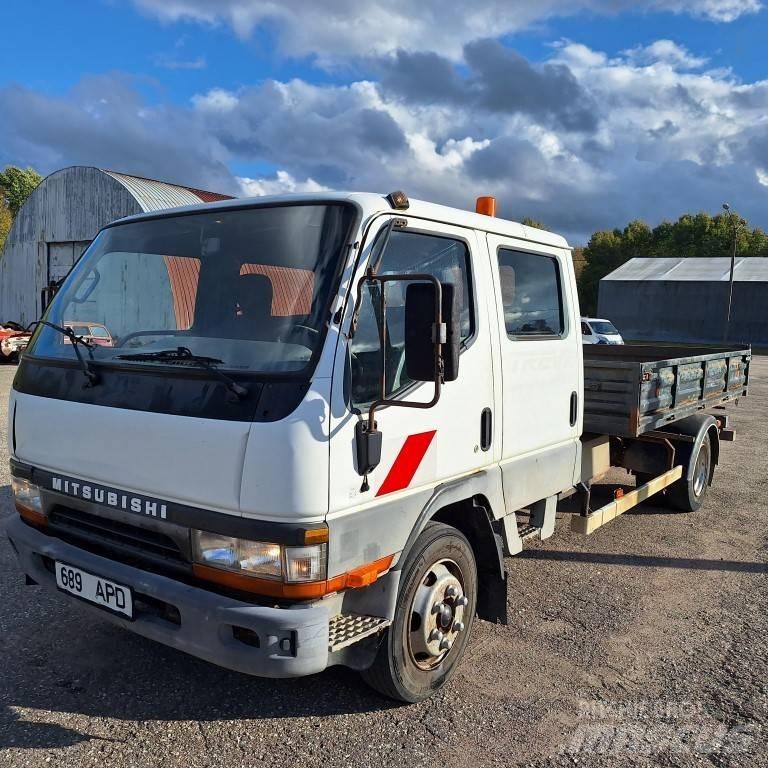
250 288
603 327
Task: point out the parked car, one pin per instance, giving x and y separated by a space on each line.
595 331
93 333
13 341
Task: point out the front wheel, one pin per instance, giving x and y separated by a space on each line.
688 493
434 614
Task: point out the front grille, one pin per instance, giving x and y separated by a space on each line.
101 532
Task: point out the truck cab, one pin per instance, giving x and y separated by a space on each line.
308 437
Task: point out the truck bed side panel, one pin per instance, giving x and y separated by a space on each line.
633 389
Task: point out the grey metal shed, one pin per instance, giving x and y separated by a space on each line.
685 299
59 220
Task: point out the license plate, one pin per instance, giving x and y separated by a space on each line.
95 589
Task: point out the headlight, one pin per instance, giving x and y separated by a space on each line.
26 494
255 558
260 558
26 497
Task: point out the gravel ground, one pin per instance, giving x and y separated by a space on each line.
644 644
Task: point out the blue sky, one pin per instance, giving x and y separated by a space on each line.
569 110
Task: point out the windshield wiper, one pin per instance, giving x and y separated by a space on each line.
185 356
91 375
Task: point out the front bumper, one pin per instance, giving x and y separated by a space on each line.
292 642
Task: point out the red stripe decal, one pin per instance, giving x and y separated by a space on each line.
407 462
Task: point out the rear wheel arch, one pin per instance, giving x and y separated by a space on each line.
699 426
687 494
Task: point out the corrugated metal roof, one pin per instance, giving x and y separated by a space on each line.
209 197
702 270
154 195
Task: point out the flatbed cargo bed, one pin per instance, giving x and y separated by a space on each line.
635 388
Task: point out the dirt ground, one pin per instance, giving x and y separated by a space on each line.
644 644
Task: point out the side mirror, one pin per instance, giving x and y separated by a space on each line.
367 447
420 331
432 339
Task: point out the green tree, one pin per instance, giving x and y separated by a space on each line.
534 223
16 185
601 256
579 262
691 236
5 224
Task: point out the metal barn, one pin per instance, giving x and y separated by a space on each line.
686 299
60 219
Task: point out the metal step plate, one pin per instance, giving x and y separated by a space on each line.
348 628
528 532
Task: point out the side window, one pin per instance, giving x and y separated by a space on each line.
585 330
531 294
407 252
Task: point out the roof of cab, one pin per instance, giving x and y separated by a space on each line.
371 203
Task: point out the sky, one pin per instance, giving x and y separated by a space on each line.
584 114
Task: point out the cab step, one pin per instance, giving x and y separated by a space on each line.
529 532
347 628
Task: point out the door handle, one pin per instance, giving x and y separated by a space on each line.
486 429
574 408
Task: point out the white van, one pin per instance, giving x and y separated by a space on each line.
595 331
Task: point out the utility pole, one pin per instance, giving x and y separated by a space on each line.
731 215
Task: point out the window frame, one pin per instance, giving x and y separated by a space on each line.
564 305
412 228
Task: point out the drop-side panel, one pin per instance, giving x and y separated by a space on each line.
631 389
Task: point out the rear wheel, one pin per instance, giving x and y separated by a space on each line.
433 617
688 493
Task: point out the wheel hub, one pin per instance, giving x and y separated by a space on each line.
437 614
701 472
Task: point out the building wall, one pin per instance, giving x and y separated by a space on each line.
69 206
686 311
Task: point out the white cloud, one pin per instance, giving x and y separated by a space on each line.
715 10
665 52
215 100
665 138
339 28
281 183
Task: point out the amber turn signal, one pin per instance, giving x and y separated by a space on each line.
32 516
354 579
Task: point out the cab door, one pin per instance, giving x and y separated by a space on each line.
541 362
420 448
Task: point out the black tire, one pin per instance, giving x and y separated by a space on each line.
398 671
687 494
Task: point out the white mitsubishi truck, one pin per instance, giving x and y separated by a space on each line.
324 420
